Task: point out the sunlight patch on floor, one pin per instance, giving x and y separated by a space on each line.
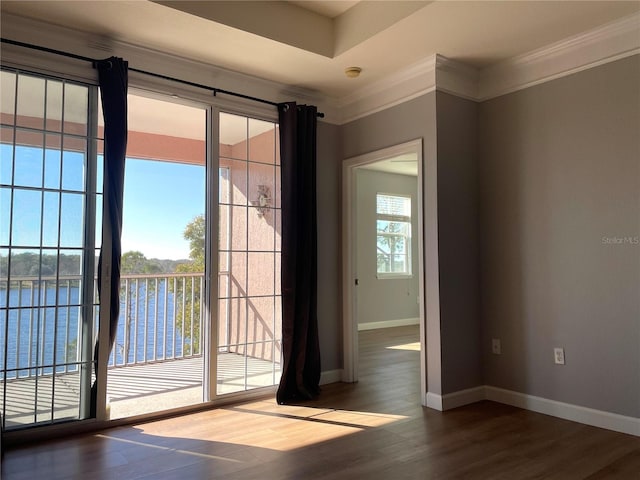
360 419
266 425
415 346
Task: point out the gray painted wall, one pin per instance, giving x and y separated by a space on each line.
328 170
458 242
450 223
532 190
560 177
399 124
383 299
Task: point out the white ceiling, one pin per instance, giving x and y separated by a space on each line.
330 9
309 44
406 164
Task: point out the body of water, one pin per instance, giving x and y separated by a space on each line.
42 320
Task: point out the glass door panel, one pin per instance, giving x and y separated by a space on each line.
157 361
48 200
249 334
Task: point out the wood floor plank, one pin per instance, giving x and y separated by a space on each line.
375 429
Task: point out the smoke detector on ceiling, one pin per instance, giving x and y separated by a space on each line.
352 72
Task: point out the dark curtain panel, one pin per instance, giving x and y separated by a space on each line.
300 347
113 81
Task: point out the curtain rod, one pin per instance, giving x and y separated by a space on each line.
93 61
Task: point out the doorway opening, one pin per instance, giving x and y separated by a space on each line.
383 246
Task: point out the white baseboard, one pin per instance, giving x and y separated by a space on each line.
434 400
463 397
567 411
455 399
401 322
330 376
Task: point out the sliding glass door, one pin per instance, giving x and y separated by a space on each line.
249 305
50 204
174 300
157 362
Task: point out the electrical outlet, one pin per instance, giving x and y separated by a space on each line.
558 355
495 346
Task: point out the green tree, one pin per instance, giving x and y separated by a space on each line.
195 233
41 264
135 263
183 294
391 244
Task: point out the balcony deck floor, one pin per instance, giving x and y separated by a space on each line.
136 389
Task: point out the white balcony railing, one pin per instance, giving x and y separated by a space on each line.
160 319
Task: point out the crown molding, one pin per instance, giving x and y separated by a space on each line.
434 73
93 46
607 43
456 78
589 49
31 31
601 45
402 86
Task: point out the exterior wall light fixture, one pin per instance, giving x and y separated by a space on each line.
263 202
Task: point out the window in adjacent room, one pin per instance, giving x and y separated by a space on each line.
393 235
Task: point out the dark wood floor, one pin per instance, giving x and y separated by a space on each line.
375 429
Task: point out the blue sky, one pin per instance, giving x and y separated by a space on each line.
31 170
160 199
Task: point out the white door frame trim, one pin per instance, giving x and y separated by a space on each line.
350 324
